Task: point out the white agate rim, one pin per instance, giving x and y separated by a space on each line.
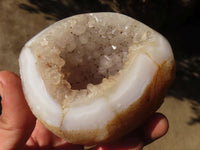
43 105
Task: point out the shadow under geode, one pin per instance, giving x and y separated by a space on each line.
59 9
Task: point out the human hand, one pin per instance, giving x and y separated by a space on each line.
19 129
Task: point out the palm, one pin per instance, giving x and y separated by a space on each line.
42 138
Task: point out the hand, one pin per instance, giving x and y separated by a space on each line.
19 129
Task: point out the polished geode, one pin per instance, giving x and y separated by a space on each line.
98 74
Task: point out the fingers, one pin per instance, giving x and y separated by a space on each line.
42 138
153 128
16 120
133 142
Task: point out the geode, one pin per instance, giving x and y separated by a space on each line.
92 78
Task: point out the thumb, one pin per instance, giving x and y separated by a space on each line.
16 120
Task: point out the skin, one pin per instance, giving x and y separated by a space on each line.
20 130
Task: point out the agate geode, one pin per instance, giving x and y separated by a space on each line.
95 77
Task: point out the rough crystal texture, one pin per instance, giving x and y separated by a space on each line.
83 50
